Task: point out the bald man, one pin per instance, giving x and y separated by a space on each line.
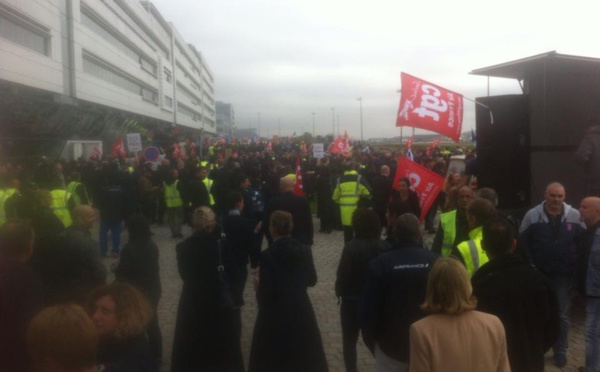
547 238
587 279
298 206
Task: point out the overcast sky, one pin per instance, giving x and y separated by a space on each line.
286 59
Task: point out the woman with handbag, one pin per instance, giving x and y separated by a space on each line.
208 327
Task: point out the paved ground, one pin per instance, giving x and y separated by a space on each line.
326 251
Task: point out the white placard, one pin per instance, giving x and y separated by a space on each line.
318 152
134 142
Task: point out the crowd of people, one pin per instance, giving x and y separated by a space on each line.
490 283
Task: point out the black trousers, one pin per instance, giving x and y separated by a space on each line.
350 331
348 233
155 339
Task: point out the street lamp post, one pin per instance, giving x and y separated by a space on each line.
338 125
258 126
361 120
313 114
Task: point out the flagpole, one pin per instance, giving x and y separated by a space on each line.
333 122
482 105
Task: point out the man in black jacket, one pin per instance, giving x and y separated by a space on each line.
519 295
240 234
298 206
395 290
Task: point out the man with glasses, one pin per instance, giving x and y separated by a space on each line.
547 238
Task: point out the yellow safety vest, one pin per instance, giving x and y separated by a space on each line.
172 196
60 201
71 187
208 183
471 251
347 194
4 195
292 176
448 221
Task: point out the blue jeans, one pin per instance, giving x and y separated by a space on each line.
592 334
562 287
115 228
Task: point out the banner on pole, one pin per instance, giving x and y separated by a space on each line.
431 107
426 183
298 189
134 142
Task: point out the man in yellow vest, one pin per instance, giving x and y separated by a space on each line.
78 190
208 183
470 252
62 203
174 204
12 189
454 227
351 187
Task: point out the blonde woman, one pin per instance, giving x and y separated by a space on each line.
208 330
456 337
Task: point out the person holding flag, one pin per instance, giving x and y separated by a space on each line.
350 189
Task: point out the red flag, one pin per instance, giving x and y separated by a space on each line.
426 183
435 143
346 150
270 146
408 144
431 107
338 146
298 190
119 149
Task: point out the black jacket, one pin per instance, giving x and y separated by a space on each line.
286 335
350 281
382 187
525 302
395 290
138 265
299 208
127 355
239 232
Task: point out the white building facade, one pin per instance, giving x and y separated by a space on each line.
107 55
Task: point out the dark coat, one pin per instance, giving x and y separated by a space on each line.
382 188
286 335
206 337
352 269
126 355
525 302
239 231
138 265
394 292
20 299
413 201
324 193
70 266
299 207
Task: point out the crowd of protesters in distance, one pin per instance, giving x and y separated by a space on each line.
53 275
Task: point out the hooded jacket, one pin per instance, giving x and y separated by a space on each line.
552 252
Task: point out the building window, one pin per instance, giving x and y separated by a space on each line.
103 71
168 76
145 62
24 32
168 101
